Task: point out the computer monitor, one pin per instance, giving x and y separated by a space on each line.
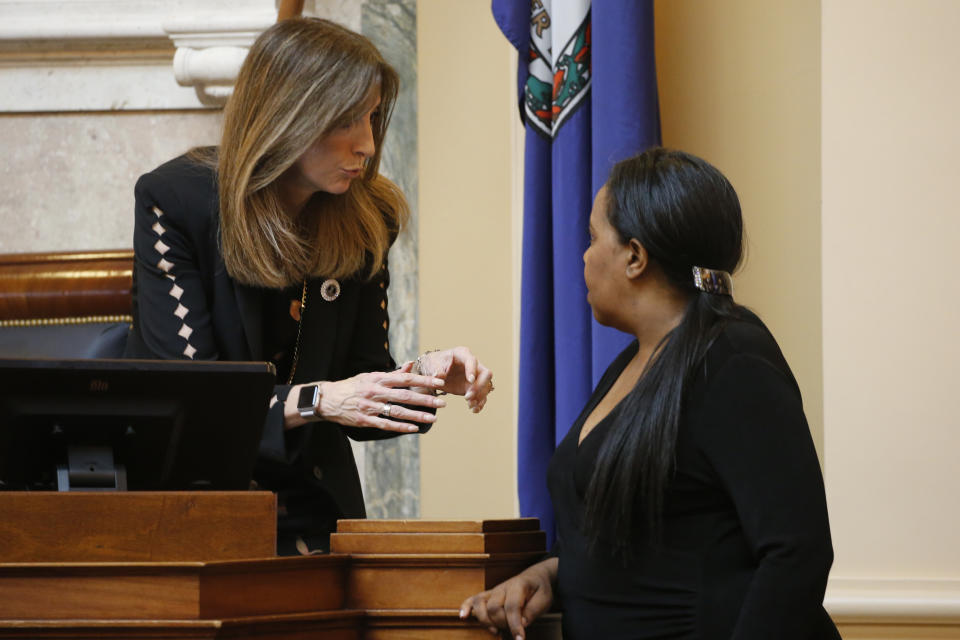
130 424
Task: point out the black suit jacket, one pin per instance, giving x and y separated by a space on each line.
186 305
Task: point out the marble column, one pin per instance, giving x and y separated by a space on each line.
390 469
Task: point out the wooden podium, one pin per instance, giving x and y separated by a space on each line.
201 565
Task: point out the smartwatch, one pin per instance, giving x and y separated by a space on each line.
309 401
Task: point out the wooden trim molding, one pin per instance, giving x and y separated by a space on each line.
65 288
894 601
409 595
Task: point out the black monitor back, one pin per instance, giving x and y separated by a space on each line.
173 425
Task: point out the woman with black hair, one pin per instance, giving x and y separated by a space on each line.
688 494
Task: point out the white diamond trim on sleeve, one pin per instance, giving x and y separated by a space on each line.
176 291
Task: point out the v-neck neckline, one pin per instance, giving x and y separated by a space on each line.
606 383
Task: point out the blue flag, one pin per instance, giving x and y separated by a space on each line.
588 97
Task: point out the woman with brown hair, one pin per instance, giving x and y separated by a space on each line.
273 246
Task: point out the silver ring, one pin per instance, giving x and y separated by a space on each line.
385 410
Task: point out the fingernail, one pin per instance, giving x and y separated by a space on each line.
438 381
463 613
493 630
441 403
471 378
519 637
412 428
469 394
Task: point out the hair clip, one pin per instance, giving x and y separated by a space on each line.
713 281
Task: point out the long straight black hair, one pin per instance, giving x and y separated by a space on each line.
685 213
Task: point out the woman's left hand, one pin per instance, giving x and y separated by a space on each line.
463 373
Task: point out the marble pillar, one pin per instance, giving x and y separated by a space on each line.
392 467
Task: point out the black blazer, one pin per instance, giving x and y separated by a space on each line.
186 305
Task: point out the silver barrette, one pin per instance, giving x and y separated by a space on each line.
713 281
330 290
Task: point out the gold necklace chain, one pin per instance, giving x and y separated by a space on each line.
296 347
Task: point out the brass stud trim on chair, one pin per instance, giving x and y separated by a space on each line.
50 322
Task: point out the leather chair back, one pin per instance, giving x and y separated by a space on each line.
65 305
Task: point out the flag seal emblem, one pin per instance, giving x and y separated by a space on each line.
557 82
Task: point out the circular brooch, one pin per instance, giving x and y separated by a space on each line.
330 290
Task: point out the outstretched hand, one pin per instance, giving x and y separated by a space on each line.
463 374
516 603
361 401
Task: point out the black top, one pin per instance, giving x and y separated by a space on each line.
186 305
745 549
281 324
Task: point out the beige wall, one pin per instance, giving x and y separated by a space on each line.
766 141
739 85
891 95
891 99
770 151
467 238
837 124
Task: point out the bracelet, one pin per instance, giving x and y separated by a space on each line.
419 370
418 363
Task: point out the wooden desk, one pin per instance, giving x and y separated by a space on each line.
387 580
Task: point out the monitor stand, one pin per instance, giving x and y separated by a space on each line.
91 468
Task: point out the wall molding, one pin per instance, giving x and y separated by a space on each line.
211 48
94 55
894 600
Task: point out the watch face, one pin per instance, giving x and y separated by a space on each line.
308 397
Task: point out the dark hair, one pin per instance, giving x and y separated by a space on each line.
685 213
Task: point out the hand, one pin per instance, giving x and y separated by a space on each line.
463 373
359 401
516 603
